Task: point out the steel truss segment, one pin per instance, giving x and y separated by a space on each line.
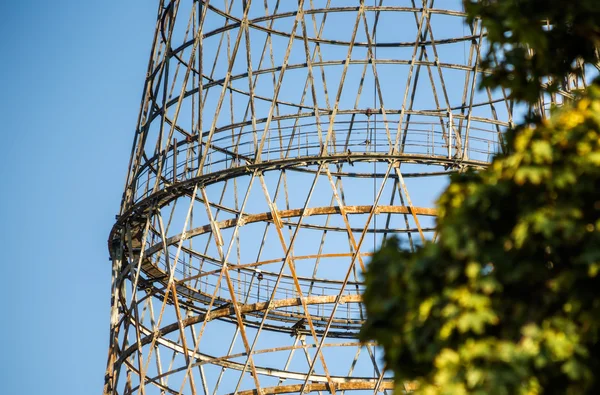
278 144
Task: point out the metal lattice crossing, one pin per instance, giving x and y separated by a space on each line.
278 143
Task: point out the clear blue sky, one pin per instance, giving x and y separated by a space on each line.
71 75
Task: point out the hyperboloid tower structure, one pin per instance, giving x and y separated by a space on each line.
278 143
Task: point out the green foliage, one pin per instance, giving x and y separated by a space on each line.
515 27
507 301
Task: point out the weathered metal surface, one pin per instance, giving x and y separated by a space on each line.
278 144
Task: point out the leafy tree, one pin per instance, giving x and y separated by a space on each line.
507 300
526 50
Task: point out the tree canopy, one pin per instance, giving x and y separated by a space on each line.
530 55
506 300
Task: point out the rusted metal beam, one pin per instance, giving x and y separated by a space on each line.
347 116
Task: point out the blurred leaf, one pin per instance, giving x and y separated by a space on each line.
506 301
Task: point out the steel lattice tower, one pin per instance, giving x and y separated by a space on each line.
278 143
